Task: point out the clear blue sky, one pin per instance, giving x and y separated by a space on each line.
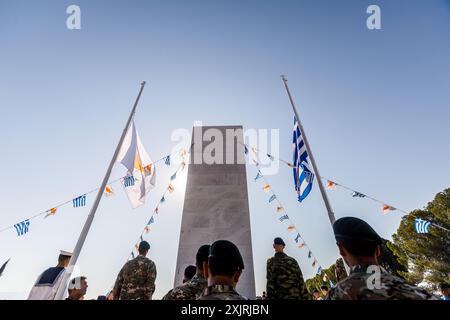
375 105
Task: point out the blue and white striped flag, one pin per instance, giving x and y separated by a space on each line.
319 270
132 254
258 175
173 177
22 227
163 199
79 201
309 254
285 217
297 237
167 160
245 149
128 181
357 194
303 176
151 221
272 197
421 225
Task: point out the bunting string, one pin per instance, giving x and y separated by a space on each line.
299 240
80 201
170 188
331 184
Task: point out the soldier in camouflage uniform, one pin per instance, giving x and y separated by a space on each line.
136 280
225 265
359 245
284 277
192 289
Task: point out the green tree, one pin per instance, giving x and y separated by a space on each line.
390 261
426 255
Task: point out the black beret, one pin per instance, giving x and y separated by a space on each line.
279 241
202 254
227 252
355 230
144 245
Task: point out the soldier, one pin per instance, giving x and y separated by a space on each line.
193 288
225 265
359 246
49 281
136 280
284 277
189 273
77 288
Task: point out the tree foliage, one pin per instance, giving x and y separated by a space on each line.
426 255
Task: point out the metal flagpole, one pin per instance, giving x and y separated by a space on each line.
76 252
311 157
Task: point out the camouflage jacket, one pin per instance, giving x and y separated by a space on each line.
221 292
362 284
340 271
136 280
285 279
190 290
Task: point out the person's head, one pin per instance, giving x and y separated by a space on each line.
316 294
201 258
64 258
77 288
324 290
143 248
357 241
445 289
278 244
189 272
225 263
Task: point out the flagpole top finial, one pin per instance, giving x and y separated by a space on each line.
143 83
283 77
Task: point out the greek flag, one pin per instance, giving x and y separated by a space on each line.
303 176
271 157
132 254
259 175
273 197
79 201
151 221
142 239
297 237
319 270
309 254
167 160
245 149
285 217
357 194
22 227
421 225
128 181
173 177
162 200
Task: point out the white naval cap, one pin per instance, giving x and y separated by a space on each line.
65 253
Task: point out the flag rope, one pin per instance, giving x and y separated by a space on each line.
156 210
324 178
280 205
86 193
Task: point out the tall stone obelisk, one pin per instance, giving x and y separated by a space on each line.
216 200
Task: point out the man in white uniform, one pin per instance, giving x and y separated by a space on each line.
48 282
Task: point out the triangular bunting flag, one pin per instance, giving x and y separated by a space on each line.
331 185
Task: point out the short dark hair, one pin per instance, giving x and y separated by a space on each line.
324 287
359 249
202 255
190 271
144 246
62 258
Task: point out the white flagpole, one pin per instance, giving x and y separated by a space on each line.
311 157
84 232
